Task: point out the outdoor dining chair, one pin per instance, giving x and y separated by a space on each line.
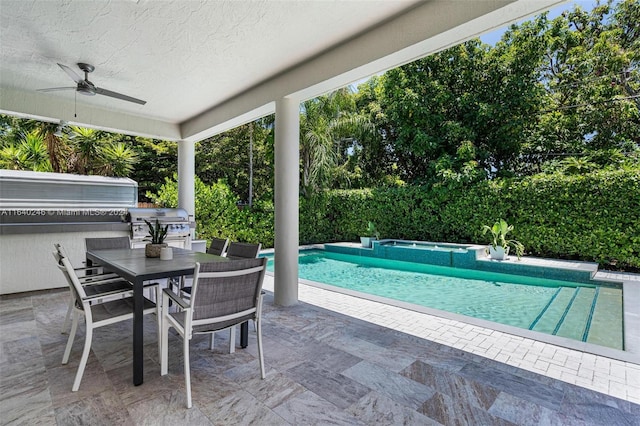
98 310
218 246
243 250
106 243
235 251
224 295
96 282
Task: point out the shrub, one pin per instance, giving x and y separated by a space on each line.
591 217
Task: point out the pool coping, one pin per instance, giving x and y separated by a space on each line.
631 317
564 342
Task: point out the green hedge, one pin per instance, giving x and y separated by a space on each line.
594 217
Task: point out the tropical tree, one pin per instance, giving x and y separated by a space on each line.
57 148
242 157
119 158
547 88
157 161
29 153
86 157
36 152
330 128
466 97
591 78
12 158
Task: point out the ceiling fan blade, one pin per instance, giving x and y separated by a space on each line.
54 89
119 96
75 77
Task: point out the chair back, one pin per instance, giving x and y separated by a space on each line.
218 246
107 243
226 293
70 275
243 250
61 254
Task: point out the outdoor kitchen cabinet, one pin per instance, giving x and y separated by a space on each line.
40 209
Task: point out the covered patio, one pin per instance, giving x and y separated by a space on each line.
206 67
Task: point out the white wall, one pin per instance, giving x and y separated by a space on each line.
26 262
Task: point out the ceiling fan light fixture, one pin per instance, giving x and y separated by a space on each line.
60 130
87 91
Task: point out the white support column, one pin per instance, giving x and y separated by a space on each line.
186 177
287 176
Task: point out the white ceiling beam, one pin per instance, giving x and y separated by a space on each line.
53 109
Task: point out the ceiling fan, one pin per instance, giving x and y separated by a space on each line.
85 87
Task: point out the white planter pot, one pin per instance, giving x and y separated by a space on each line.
153 250
367 241
498 253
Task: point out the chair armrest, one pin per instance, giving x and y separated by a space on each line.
103 295
93 278
98 269
179 300
105 281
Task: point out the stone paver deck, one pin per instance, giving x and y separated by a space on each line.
613 377
328 362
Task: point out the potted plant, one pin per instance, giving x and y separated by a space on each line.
499 245
157 233
370 236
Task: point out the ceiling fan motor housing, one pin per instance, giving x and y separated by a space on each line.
86 67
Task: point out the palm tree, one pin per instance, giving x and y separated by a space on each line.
119 159
29 153
36 153
56 146
86 157
325 124
12 158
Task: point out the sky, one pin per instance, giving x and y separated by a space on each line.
493 37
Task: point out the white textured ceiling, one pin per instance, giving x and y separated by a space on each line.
179 56
185 57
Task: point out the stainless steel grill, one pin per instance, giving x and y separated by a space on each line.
178 233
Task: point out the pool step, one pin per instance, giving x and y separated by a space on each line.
553 313
606 323
570 313
575 324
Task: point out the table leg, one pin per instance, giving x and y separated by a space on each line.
244 334
138 322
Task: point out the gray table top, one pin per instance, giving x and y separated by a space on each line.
133 265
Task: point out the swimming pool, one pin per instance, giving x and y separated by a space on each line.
584 312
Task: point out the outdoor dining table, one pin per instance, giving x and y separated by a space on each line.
135 267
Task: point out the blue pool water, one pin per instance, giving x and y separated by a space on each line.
584 312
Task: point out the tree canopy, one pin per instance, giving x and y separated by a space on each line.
552 95
547 89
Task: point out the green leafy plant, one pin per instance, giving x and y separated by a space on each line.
372 231
157 232
499 232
